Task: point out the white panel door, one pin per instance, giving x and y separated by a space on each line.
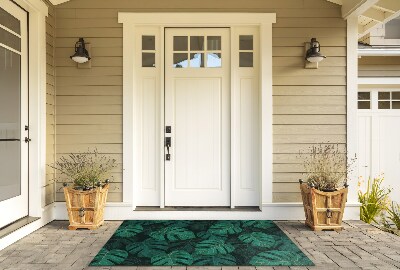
378 137
13 113
197 108
389 153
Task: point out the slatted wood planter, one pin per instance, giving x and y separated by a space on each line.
323 210
86 208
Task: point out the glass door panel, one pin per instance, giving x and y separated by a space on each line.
10 124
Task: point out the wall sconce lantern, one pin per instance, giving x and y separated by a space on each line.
81 54
313 55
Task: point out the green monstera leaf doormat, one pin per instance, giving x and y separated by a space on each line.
200 243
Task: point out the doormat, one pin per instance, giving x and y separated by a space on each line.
200 243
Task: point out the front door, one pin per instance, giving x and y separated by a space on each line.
13 113
197 117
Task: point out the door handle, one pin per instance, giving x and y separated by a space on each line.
27 139
168 145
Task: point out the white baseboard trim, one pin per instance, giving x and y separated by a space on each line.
270 211
47 216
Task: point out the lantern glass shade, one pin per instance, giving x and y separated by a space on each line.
313 54
81 54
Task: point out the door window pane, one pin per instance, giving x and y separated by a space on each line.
10 21
214 60
396 105
180 43
214 43
180 60
196 43
197 60
384 95
10 123
148 43
364 105
148 59
10 40
246 42
396 95
245 59
364 95
384 105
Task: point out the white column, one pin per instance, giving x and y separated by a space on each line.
352 87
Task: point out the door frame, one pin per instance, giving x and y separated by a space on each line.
37 13
131 117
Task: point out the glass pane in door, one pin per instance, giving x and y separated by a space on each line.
10 124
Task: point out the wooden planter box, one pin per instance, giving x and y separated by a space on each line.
86 208
323 210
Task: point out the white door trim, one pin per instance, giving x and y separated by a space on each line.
37 12
131 119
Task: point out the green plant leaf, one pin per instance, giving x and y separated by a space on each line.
178 257
261 224
129 230
280 258
109 257
172 233
225 228
147 248
258 239
213 247
215 260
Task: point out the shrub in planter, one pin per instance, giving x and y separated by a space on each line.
324 191
87 196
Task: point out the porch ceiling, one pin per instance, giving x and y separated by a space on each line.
371 13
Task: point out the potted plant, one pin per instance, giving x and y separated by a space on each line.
87 196
324 191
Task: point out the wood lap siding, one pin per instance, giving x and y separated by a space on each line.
50 105
309 104
379 66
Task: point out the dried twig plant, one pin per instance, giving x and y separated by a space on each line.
326 167
85 169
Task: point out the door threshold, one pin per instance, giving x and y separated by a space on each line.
6 230
198 209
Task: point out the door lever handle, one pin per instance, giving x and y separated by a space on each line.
168 145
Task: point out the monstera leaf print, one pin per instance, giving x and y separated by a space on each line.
279 258
213 247
172 233
129 230
215 260
260 224
147 248
258 239
225 228
209 236
109 257
178 257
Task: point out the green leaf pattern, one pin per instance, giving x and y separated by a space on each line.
200 243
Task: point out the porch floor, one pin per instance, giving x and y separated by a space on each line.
358 246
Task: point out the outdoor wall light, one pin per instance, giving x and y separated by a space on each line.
313 54
81 54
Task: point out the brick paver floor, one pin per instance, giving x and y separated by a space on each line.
358 246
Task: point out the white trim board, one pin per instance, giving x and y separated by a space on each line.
270 211
132 126
378 80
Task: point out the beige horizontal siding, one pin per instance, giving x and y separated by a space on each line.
309 104
379 66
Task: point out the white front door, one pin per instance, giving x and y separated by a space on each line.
197 110
379 133
13 113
